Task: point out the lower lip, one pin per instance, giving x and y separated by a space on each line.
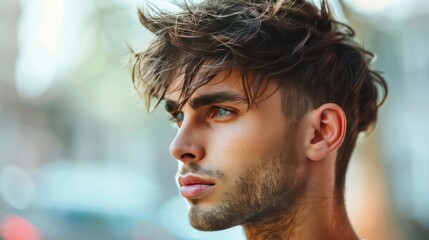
192 191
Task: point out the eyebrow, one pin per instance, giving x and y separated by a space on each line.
207 99
171 106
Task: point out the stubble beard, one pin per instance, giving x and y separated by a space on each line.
270 188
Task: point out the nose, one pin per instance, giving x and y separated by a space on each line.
187 145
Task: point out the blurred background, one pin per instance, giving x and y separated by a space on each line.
80 158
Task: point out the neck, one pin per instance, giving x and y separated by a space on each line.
317 214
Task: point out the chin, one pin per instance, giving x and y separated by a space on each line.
207 225
213 218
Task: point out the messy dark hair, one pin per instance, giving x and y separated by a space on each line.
311 56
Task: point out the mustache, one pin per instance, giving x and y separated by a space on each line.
197 169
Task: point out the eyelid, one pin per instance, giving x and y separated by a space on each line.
214 109
174 118
212 114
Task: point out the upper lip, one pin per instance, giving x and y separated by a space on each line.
193 180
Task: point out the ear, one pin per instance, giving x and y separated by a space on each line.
328 128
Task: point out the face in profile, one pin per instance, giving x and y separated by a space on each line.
238 163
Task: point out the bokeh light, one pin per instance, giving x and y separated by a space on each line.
18 228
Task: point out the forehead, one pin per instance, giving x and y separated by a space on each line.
225 80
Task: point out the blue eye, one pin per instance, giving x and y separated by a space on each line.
180 116
177 118
223 112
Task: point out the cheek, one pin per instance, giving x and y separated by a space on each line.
241 145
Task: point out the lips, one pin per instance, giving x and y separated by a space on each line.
192 186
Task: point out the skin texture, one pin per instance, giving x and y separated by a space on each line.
273 177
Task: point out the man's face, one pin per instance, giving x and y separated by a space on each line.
237 163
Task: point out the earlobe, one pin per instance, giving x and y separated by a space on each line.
328 128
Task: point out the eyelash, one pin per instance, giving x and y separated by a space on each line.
216 111
212 114
174 118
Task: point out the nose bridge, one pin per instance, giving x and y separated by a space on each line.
187 145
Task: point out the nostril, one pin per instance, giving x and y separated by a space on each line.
188 156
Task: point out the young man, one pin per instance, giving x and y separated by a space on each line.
269 98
